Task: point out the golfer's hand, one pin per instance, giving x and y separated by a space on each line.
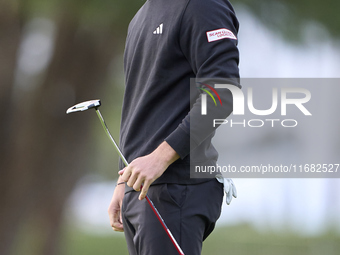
145 170
115 206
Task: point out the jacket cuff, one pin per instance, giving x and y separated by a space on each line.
179 140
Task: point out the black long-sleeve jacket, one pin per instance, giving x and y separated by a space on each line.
169 43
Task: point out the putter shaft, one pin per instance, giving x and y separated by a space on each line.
111 138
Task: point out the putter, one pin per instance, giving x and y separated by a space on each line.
95 104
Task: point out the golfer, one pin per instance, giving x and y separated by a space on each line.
162 131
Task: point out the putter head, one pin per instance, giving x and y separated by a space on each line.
84 106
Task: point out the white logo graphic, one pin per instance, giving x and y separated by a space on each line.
220 34
159 30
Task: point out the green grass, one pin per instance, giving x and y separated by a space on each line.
238 240
85 244
245 240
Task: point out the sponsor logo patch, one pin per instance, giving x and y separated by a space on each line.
220 34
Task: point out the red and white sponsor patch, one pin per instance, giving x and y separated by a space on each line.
220 34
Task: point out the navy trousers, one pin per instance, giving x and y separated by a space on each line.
190 212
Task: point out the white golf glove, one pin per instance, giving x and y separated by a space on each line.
229 187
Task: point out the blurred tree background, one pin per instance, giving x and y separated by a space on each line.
54 54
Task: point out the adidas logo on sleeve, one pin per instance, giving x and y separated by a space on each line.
159 30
